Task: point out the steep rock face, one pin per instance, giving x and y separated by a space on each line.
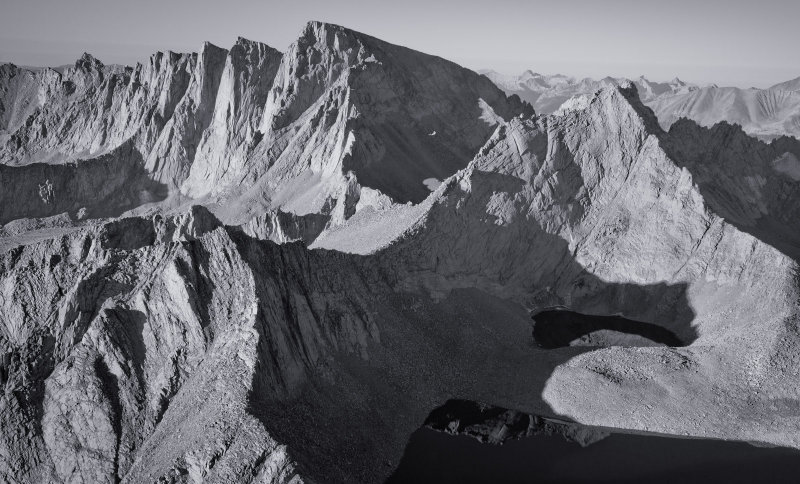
148 119
173 152
90 108
282 227
599 181
248 75
342 121
203 353
168 109
752 184
177 349
18 97
346 102
133 350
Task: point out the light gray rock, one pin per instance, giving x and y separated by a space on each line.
764 113
251 130
248 75
601 211
347 105
546 93
144 340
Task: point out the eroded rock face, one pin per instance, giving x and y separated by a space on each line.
131 350
89 108
592 211
106 139
251 130
190 343
348 111
248 75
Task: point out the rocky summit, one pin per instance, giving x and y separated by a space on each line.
244 265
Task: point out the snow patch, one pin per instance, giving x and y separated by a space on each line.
431 183
787 164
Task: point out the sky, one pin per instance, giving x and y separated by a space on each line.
730 42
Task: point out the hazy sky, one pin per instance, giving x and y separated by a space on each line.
728 42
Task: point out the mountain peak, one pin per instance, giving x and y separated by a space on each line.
330 37
247 42
209 47
87 61
317 29
177 342
332 76
318 24
247 45
623 96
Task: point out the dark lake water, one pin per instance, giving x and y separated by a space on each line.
557 328
433 456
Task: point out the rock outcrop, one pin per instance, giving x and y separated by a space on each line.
252 130
163 319
345 107
592 211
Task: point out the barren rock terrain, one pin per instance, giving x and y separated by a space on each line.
251 266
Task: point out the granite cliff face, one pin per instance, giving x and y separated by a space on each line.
340 118
353 119
131 350
226 267
138 124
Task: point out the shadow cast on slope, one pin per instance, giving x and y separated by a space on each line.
514 257
310 307
558 328
741 179
737 174
341 410
105 186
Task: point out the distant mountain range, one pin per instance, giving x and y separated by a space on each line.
765 113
